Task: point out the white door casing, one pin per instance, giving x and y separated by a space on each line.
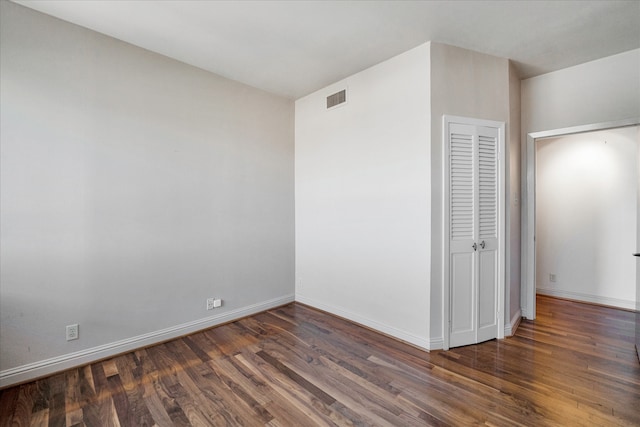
528 232
474 268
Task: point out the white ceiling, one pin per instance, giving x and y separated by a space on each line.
293 48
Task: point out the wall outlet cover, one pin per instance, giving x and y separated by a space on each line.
72 332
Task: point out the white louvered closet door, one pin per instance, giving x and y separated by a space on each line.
473 233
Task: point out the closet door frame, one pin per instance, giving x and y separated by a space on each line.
447 120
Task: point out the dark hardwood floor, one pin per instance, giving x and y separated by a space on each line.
294 366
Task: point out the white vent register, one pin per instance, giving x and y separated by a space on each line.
336 99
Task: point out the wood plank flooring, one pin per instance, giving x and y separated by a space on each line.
294 366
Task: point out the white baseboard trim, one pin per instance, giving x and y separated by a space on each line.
385 329
45 367
436 343
614 302
511 328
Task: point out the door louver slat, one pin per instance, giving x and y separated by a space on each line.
488 186
462 191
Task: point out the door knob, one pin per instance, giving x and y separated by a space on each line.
475 247
482 245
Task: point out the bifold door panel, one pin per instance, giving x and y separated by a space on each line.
474 191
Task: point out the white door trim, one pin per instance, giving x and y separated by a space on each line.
528 232
446 315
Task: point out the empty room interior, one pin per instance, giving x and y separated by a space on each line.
297 213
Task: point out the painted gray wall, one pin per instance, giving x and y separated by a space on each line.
133 187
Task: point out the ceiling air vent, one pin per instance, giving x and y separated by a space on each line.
337 99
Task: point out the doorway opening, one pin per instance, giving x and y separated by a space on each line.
551 280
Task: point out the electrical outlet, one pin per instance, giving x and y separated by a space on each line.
72 332
552 278
217 303
210 303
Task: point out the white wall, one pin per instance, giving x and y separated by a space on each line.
599 91
586 211
362 198
637 251
469 84
133 187
369 186
514 314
